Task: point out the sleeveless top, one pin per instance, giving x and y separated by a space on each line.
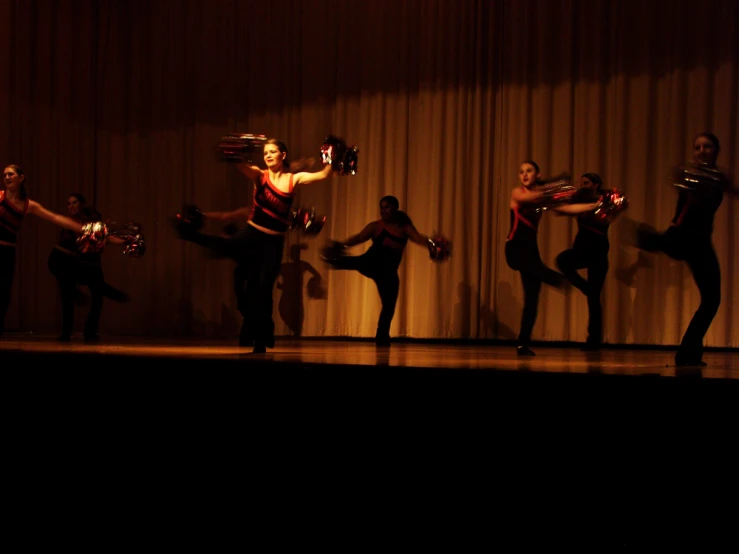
271 207
695 211
524 222
10 219
387 245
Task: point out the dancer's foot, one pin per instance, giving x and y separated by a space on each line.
259 349
591 347
683 359
64 338
525 351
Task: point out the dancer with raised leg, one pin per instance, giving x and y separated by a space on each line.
389 236
522 249
701 185
590 252
71 267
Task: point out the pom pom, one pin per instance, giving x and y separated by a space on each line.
241 147
307 221
556 190
333 251
133 236
93 237
612 204
342 158
190 220
699 178
440 248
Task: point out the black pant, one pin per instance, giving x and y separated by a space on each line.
697 250
7 273
591 255
259 259
71 270
523 256
384 272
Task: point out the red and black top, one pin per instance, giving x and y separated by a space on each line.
10 219
589 223
695 211
271 207
524 222
387 245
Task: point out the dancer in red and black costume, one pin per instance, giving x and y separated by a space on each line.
258 247
14 205
589 251
71 267
689 238
389 236
522 248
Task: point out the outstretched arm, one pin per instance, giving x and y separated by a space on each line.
115 240
571 209
303 178
526 196
363 236
415 236
38 210
228 217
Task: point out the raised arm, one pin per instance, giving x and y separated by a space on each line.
303 178
363 236
38 210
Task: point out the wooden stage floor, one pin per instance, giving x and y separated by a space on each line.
360 355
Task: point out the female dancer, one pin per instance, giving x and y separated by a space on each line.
14 205
258 247
689 238
589 251
380 262
71 267
522 249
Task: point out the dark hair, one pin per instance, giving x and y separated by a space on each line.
392 200
78 195
710 136
23 192
594 178
532 162
400 216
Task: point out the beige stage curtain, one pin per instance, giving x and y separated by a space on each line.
125 100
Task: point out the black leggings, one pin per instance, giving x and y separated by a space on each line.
385 275
697 251
7 272
259 259
69 271
523 256
593 256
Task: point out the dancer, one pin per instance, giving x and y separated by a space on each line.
72 267
14 205
389 236
589 251
689 238
522 248
258 247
